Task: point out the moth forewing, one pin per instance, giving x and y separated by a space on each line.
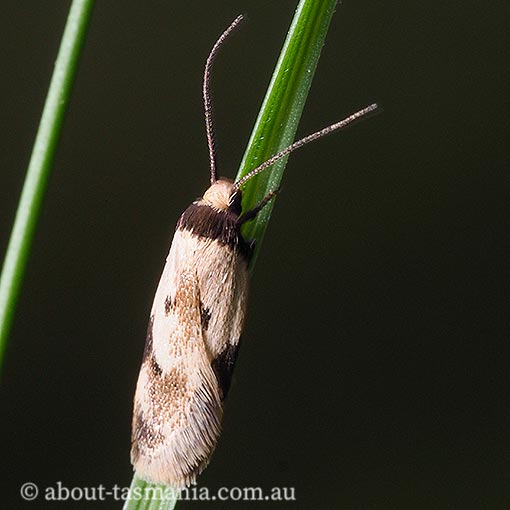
192 342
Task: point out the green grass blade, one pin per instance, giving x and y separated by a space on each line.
150 496
281 109
41 160
274 130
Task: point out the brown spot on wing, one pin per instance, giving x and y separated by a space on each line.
205 316
187 307
223 366
154 365
170 394
169 304
145 435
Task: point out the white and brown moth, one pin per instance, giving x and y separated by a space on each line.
196 322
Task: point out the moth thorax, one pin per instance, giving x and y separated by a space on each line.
219 195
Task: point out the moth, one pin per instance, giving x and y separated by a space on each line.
196 321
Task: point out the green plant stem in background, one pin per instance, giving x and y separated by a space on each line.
41 160
274 130
281 110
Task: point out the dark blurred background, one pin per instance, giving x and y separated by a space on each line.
374 367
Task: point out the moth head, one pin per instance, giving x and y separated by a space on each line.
223 196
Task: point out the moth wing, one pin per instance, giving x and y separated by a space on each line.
178 408
223 293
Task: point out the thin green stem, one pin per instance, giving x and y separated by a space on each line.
274 130
41 160
150 496
281 109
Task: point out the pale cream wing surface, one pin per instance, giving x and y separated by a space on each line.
223 286
178 408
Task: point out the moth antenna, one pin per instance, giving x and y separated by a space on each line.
307 139
207 96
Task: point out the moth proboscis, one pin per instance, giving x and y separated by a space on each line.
196 321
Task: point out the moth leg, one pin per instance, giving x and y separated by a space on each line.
249 215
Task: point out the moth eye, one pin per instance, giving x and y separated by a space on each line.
232 198
234 202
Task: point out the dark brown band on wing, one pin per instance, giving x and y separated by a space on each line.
222 226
